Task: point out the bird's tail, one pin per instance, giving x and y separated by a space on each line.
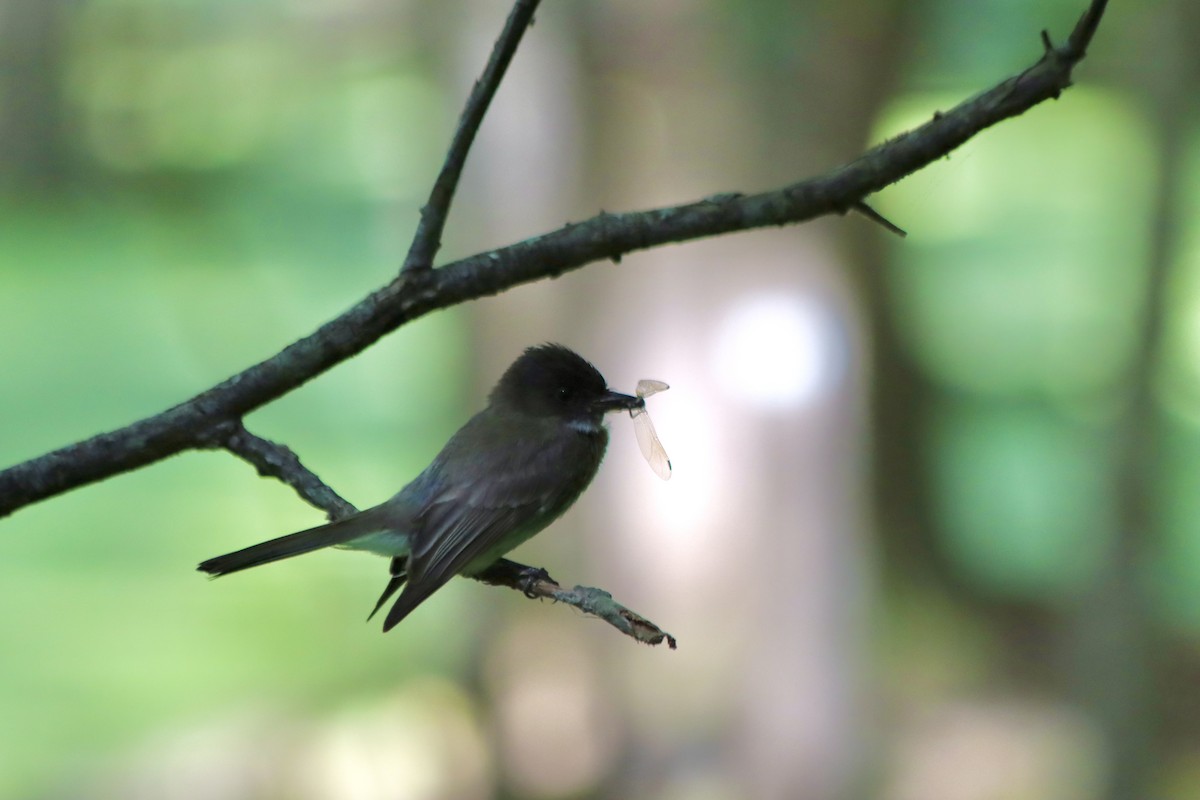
294 544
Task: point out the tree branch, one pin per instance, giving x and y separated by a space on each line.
277 461
417 292
213 419
428 238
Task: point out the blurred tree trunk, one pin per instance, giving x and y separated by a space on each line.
1111 648
676 104
31 53
683 105
1116 645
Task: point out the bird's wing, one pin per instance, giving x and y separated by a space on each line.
457 531
483 496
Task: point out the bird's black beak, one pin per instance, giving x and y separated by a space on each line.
615 401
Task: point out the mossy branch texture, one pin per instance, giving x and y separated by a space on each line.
213 418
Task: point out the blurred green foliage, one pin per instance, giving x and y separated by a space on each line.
223 176
229 198
1021 301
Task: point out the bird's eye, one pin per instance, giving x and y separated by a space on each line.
564 393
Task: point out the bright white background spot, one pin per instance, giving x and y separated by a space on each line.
777 351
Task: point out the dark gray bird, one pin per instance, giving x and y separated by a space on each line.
514 468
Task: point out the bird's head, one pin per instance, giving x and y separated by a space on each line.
553 381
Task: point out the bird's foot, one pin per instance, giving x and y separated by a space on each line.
530 577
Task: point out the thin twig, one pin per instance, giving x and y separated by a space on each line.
596 602
428 237
273 460
607 236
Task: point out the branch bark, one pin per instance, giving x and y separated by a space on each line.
213 418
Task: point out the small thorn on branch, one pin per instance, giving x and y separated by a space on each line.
879 219
1047 43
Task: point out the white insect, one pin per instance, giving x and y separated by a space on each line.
647 437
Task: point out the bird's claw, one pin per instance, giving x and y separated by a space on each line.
530 577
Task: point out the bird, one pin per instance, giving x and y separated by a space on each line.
506 475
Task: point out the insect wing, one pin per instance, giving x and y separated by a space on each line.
647 387
652 449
